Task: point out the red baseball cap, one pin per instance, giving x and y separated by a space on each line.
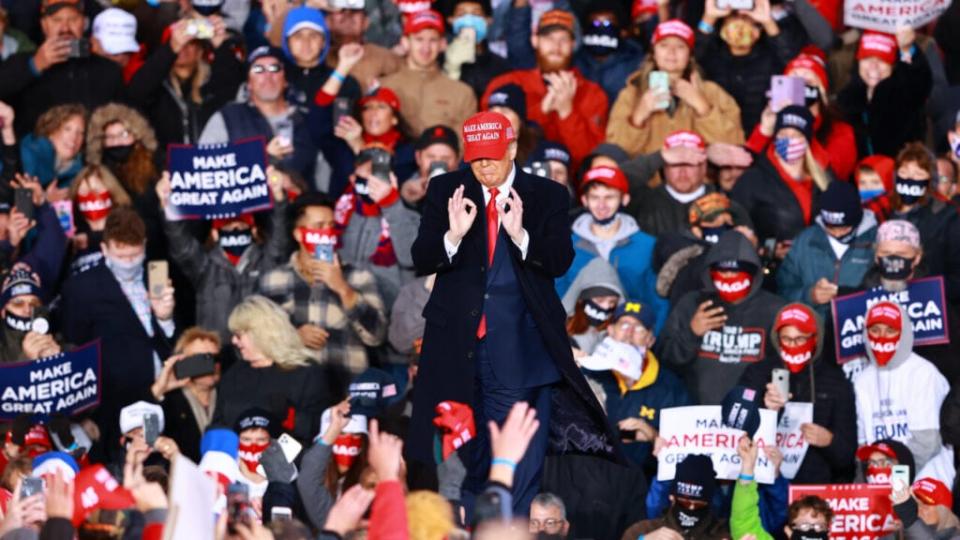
798 315
811 63
878 45
641 7
38 436
863 453
609 176
423 20
674 28
885 312
486 135
932 491
686 138
383 94
554 19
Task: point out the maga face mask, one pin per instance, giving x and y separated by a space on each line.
346 448
894 267
95 206
601 38
688 519
16 322
883 348
311 238
712 234
732 288
910 190
596 314
878 475
235 242
796 357
250 454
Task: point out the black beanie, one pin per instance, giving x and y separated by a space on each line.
797 117
840 205
695 478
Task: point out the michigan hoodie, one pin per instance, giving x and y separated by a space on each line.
713 363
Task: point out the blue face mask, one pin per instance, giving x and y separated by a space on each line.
476 22
867 194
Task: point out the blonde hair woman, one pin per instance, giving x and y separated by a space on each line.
94 192
272 371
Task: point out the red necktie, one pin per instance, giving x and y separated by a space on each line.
493 227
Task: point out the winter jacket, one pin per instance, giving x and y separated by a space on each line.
45 251
773 501
812 257
580 132
895 115
311 485
406 315
710 528
428 98
745 512
713 363
40 159
939 228
746 78
178 110
362 236
774 209
657 389
219 284
721 124
659 213
889 405
824 385
630 255
90 81
612 71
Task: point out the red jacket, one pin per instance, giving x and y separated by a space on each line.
839 153
388 517
580 132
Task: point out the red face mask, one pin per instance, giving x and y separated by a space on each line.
315 237
878 475
883 348
250 454
796 357
95 206
346 449
734 288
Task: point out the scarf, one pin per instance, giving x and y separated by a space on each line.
389 139
350 202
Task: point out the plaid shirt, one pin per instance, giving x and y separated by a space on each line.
350 331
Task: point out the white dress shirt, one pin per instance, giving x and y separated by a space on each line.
502 195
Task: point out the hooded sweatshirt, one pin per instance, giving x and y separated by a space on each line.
713 363
901 401
305 82
823 384
596 273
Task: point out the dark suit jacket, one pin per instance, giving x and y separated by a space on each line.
94 306
457 302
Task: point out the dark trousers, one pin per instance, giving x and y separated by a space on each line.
493 401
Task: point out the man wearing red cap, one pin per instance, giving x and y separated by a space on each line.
935 505
884 101
606 232
497 238
427 95
899 394
570 108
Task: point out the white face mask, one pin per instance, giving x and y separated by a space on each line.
126 271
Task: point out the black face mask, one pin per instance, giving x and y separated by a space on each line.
596 315
235 242
910 190
361 188
18 323
207 7
811 95
117 154
688 519
895 267
809 535
712 234
601 38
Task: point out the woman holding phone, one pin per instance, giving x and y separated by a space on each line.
381 124
668 93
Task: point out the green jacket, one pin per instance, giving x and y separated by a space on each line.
745 512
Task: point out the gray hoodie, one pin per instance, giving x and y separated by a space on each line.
628 226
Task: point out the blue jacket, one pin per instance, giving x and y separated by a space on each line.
39 159
657 389
631 257
811 258
774 501
611 72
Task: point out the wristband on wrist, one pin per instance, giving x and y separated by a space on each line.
338 76
705 27
746 477
505 462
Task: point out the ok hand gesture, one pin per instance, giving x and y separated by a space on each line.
461 212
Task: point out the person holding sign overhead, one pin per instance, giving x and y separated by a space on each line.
797 336
899 394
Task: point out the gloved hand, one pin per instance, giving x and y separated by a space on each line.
450 475
275 464
456 424
461 50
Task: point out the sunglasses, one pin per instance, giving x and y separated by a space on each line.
266 68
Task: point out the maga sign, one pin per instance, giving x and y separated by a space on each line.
62 384
790 438
861 511
887 15
219 181
698 430
923 299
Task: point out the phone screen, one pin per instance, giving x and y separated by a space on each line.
151 428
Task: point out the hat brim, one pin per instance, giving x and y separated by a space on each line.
305 24
863 453
551 27
124 46
50 10
494 151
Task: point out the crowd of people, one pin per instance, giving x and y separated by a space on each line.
727 175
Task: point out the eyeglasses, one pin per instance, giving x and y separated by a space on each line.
808 527
266 68
794 341
547 524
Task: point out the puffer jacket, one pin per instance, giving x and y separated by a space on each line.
721 124
811 257
824 385
714 363
220 285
